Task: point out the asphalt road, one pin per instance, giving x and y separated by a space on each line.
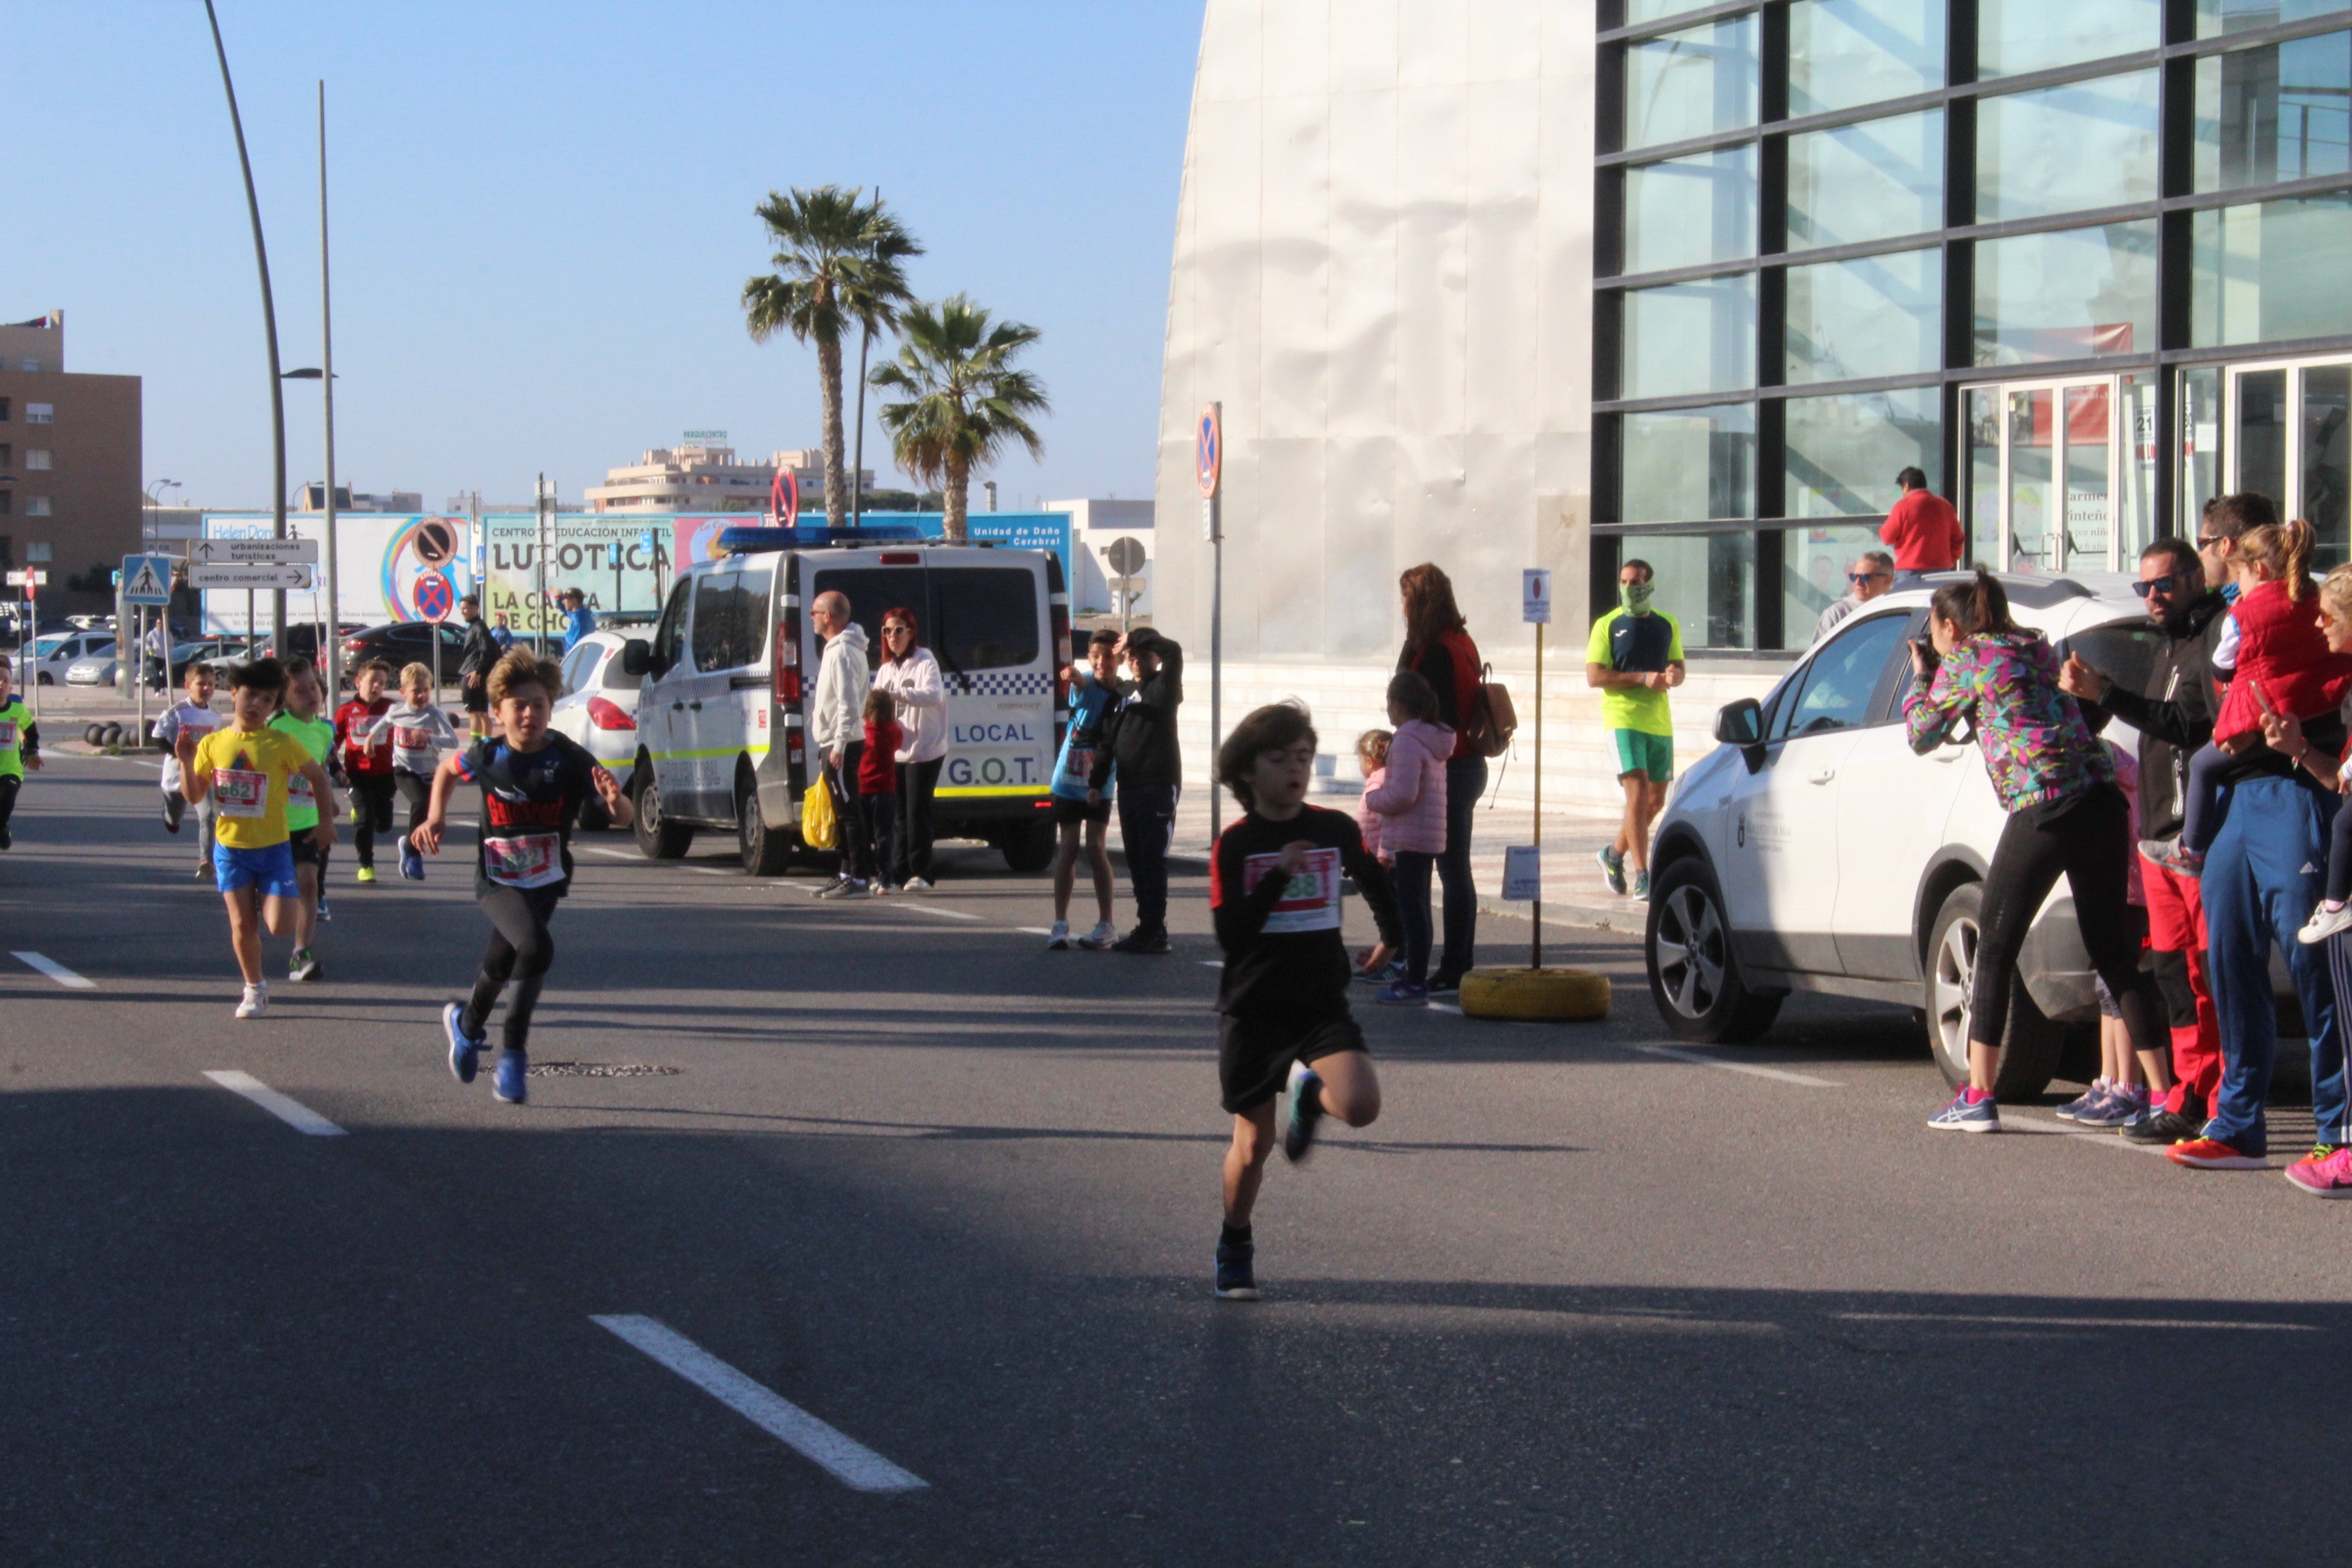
1571 1300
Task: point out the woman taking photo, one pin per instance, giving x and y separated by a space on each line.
911 675
2065 814
1438 649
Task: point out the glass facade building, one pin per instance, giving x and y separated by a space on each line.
2086 264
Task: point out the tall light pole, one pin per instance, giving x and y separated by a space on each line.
327 386
269 327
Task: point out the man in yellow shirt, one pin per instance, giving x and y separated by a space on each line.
247 768
1634 658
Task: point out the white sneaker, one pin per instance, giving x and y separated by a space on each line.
2324 922
1058 941
256 1003
1101 937
916 885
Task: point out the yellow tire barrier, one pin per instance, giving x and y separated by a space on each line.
1576 995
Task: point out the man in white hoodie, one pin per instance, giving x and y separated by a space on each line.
838 728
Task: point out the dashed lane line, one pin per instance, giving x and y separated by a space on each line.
284 1107
844 1459
1776 1074
944 914
56 971
2107 1137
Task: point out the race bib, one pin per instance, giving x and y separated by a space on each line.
412 740
1311 901
524 859
1082 763
7 734
297 792
241 792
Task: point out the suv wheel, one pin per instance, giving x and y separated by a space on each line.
2029 1044
1693 975
765 852
1028 846
658 838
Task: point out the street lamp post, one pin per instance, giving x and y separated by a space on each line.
327 387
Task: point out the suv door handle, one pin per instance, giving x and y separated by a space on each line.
1824 776
676 707
696 706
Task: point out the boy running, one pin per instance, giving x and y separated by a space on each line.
177 732
1274 889
247 769
533 783
420 733
300 717
1079 808
20 748
367 765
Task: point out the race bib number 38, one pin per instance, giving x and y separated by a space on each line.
241 792
524 859
1311 901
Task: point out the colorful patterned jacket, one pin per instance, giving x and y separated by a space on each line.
2036 746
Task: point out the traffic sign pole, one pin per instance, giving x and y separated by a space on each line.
1209 466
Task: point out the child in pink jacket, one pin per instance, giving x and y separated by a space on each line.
1410 801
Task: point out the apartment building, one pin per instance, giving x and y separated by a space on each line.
706 477
70 455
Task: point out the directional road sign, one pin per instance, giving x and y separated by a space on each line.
28 578
263 576
252 552
146 579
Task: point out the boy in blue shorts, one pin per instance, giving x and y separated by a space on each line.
246 770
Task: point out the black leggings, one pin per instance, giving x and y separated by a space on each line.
521 950
417 791
912 847
371 813
2204 805
2088 837
9 785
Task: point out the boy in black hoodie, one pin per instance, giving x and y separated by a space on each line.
1274 891
1140 741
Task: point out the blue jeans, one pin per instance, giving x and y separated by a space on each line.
1409 880
1465 781
2262 877
1147 826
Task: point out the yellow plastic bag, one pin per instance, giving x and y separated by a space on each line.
817 821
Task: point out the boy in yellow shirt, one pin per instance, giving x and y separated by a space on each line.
248 769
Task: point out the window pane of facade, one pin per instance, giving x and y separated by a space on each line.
1705 581
1845 53
2280 113
1640 11
2088 145
1843 453
1814 562
1690 337
1691 84
2018 35
1688 212
1853 320
2327 458
2271 269
2071 294
1690 464
2216 18
2200 442
1872 181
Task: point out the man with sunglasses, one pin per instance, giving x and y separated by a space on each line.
1872 574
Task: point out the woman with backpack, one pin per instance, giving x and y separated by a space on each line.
1438 649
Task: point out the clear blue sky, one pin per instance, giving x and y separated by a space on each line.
542 218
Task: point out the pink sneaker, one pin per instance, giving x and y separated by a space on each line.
2329 1178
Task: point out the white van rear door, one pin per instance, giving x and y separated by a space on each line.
990 636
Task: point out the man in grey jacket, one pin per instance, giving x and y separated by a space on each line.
838 730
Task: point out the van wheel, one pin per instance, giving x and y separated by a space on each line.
1029 846
2030 1043
765 853
658 838
1694 977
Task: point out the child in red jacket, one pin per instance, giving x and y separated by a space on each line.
366 764
877 778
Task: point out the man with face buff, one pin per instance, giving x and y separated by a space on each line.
1635 657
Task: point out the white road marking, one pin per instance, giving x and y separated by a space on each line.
2074 1322
1453 1007
56 971
711 871
844 1459
1707 1061
616 854
1035 931
933 909
2107 1137
285 1108
1211 962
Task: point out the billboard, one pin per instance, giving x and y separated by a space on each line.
380 560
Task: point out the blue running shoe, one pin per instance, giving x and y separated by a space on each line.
1306 1091
507 1082
1402 994
1612 869
412 863
1237 1281
465 1053
1960 1116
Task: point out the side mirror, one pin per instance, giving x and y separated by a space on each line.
637 656
1741 724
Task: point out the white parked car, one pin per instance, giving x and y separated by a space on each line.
599 707
1814 850
53 653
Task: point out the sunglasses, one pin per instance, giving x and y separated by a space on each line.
2208 543
1860 577
897 631
2168 584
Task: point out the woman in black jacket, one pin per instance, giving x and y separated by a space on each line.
1438 649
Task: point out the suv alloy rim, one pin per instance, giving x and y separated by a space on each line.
1956 973
1690 950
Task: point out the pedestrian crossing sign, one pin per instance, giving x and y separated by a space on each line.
146 579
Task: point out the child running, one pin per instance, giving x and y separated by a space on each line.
300 717
20 748
247 769
1274 889
188 721
1078 810
420 733
367 763
533 783
877 778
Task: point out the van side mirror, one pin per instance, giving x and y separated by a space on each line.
637 656
1741 724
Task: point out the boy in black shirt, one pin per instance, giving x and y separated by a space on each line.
1274 889
534 782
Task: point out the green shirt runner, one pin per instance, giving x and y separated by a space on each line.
317 737
1621 641
14 720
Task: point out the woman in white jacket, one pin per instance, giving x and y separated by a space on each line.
911 675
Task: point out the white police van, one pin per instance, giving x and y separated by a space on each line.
730 675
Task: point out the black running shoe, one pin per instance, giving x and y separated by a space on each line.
175 805
2161 1128
1142 939
1236 1280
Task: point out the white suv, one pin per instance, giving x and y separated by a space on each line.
1814 850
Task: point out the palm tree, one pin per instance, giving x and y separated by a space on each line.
838 267
964 400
